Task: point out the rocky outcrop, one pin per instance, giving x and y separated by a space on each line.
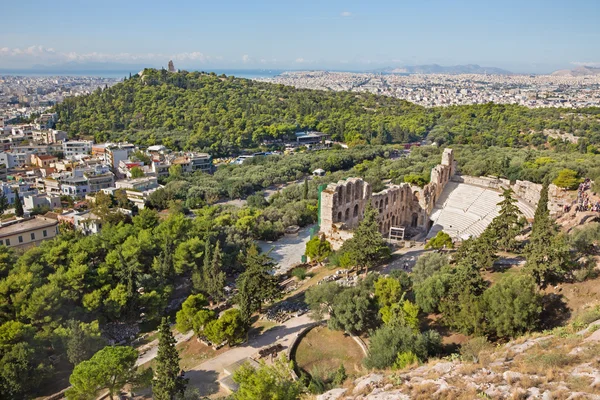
544 367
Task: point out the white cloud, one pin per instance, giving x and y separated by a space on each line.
346 14
246 59
586 64
31 55
300 60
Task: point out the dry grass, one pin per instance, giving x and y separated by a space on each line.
324 350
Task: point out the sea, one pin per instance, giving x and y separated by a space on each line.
119 74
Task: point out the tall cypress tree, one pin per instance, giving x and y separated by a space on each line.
214 277
18 205
548 253
167 383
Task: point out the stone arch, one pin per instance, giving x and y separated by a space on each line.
355 213
340 192
357 190
402 195
339 217
348 192
393 220
415 220
387 201
347 215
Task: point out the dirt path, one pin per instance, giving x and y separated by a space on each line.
206 375
148 352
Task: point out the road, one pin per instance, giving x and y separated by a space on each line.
206 375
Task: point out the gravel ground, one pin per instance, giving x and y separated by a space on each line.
287 251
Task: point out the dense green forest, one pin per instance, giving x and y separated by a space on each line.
193 110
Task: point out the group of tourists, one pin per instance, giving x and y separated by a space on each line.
584 201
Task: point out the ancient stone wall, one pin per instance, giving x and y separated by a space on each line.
343 203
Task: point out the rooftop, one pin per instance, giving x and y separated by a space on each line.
27 225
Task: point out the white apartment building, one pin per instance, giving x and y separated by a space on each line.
138 190
75 148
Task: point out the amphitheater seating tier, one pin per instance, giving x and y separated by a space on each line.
465 210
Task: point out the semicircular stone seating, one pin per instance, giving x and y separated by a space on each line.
465 210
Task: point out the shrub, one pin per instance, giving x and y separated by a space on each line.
405 359
471 350
300 273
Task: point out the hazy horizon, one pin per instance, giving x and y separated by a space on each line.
531 36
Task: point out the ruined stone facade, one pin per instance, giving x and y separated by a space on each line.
404 205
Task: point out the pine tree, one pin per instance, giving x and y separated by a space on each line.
199 275
367 248
18 205
167 383
214 277
508 224
548 253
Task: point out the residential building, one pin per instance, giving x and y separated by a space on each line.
117 153
191 162
47 121
24 189
99 179
3 172
49 136
310 137
53 148
87 222
76 148
138 190
40 200
75 186
28 232
43 160
51 186
14 159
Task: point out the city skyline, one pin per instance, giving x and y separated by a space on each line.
523 37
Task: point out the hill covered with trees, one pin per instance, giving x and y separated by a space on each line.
195 110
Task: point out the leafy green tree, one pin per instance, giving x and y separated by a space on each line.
111 368
136 172
305 190
430 292
268 382
388 341
229 327
480 252
21 371
19 212
512 306
441 240
256 284
167 383
567 179
81 344
403 313
427 265
367 247
353 310
193 314
320 298
388 291
318 248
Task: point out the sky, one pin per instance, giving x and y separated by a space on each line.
530 36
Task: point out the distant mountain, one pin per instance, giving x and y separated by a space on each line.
579 71
442 69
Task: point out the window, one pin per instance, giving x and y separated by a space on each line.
1 242
20 239
8 242
32 235
44 233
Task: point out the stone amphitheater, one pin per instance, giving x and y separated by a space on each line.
462 206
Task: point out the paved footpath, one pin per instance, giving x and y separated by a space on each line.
205 375
151 349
